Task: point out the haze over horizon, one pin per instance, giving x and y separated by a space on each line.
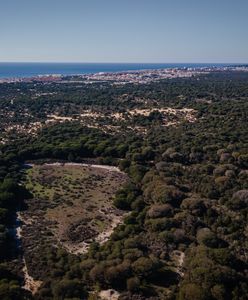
124 32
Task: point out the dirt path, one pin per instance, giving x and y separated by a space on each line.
105 167
30 283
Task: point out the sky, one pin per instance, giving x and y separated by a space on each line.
155 31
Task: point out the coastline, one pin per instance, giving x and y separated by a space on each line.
20 71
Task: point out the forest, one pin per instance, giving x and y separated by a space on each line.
184 235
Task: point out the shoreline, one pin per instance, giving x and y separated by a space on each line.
57 74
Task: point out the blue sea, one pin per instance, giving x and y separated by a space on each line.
18 70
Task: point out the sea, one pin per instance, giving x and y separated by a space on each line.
25 70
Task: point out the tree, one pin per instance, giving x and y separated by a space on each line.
68 289
133 284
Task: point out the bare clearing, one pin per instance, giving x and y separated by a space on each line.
71 206
109 295
78 199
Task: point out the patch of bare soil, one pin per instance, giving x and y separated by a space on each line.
109 295
178 258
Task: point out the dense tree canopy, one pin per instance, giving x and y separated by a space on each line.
185 235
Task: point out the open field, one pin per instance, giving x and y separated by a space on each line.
71 207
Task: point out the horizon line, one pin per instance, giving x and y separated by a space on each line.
78 62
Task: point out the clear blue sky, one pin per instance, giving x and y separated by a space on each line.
124 30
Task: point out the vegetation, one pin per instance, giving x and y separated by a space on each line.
185 235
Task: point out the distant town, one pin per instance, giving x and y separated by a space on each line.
126 77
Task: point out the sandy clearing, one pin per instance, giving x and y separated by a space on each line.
109 295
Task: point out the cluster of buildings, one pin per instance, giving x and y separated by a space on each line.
141 77
124 77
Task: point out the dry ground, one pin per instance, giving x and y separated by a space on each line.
78 201
71 206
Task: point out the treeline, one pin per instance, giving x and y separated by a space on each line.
75 142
